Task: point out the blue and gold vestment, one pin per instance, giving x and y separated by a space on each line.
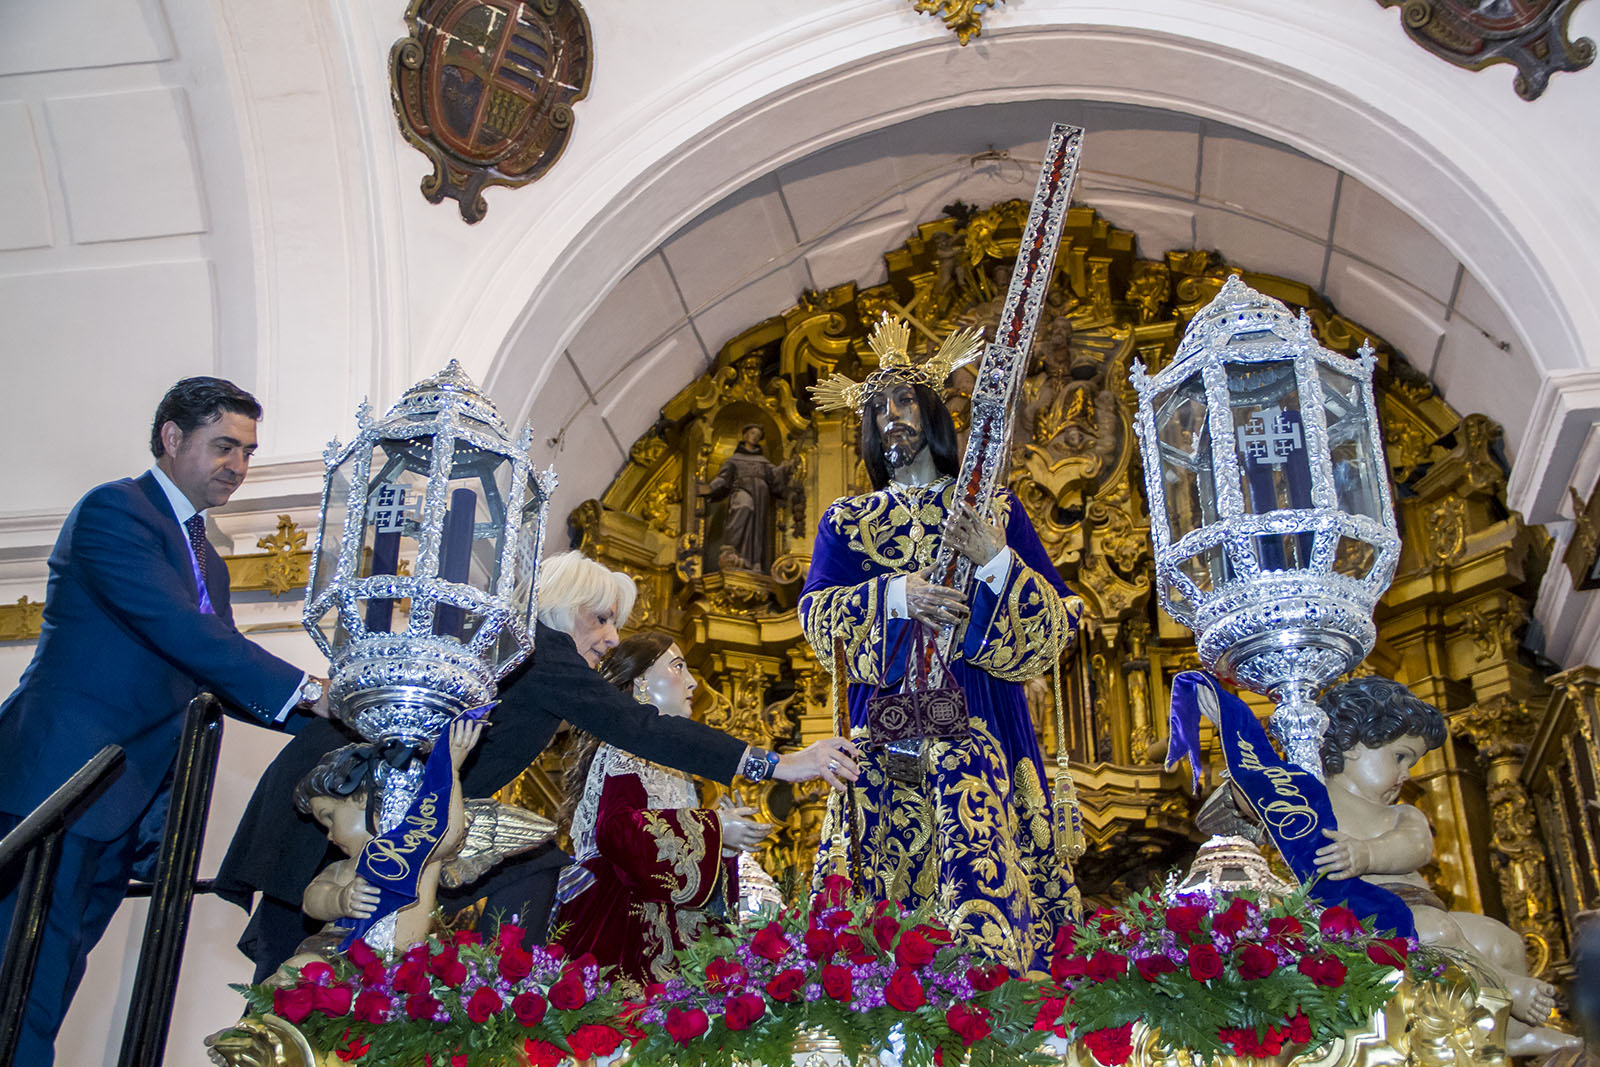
976 835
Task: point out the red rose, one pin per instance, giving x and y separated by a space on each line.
885 907
374 973
458 1060
529 1008
853 948
448 967
355 1048
509 936
1299 1028
331 1000
412 977
971 1024
785 984
904 991
1284 927
836 982
467 937
1063 967
724 975
592 1040
820 944
835 892
1205 962
770 943
1104 966
484 1004
1049 1016
1113 1045
1256 962
988 976
1323 970
743 1010
914 950
317 973
1230 922
1339 921
568 993
360 953
1184 919
1389 951
684 1025
1066 938
421 1006
1106 920
372 1007
516 963
1152 967
542 1053
884 930
836 918
417 953
293 1004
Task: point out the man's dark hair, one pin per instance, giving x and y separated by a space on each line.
1375 711
938 428
199 402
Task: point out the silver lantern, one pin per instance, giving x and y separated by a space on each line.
428 542
1270 511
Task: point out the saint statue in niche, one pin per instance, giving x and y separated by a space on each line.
750 482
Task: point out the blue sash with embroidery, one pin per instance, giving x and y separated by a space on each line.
1292 803
393 862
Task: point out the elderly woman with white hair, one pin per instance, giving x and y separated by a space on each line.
582 604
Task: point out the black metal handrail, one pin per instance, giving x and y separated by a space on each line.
155 984
36 841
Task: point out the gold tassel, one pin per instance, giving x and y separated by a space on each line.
1066 816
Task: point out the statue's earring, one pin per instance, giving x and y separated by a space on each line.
638 692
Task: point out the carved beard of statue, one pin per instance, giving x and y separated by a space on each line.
902 444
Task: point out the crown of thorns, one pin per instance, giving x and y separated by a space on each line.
891 341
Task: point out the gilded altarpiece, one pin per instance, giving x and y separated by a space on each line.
1451 626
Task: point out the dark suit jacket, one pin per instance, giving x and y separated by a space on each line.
123 650
277 851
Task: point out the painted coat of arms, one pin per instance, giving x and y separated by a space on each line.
1532 34
485 89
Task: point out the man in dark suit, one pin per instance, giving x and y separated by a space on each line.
136 622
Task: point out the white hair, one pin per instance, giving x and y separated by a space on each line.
571 582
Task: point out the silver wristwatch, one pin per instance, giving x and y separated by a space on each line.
310 691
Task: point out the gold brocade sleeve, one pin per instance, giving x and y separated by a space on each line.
1029 629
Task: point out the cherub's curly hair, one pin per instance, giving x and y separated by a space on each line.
346 773
1375 711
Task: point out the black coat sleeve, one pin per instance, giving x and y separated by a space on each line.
560 684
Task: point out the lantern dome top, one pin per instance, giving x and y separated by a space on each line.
450 387
1236 310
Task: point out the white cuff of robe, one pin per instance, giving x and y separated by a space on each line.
294 700
992 574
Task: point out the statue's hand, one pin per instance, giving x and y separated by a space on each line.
969 535
359 899
741 832
464 734
1347 857
936 605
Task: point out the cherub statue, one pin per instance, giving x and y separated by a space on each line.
1378 731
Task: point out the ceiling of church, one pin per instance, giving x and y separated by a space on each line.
1177 181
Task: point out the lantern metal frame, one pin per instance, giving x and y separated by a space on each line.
407 684
1279 632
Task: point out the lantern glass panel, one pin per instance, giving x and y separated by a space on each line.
1283 552
1208 568
1355 468
473 529
335 505
1184 439
1354 558
397 487
1269 436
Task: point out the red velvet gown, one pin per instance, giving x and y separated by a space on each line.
649 869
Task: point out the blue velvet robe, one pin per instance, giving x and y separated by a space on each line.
977 835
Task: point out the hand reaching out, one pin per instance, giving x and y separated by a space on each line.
833 759
969 535
1347 857
740 831
464 734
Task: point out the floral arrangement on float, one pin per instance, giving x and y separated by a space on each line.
1232 976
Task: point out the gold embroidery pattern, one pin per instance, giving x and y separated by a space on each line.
682 846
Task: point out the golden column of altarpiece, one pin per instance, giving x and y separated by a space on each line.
1450 626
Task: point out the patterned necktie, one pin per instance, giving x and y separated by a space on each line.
196 527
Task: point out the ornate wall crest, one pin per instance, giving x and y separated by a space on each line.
1475 33
964 18
485 89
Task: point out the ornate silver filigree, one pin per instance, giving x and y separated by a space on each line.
1279 630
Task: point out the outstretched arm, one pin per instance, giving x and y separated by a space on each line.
1400 850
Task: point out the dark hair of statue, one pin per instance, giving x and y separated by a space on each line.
329 777
1374 711
198 402
938 429
631 658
